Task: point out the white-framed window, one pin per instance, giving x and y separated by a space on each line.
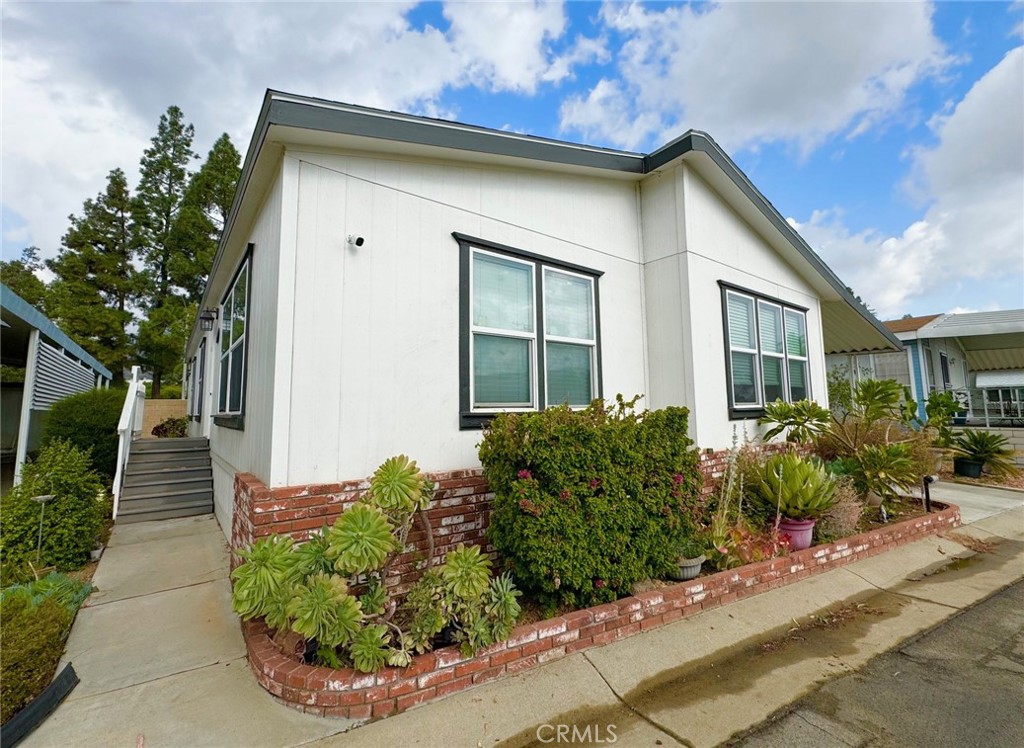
234 309
529 333
766 351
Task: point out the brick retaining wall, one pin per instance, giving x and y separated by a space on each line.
459 514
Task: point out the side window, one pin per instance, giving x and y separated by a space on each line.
233 315
766 352
529 332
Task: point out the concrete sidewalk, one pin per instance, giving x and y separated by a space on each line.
161 657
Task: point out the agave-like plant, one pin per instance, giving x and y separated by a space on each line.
398 485
266 575
801 489
322 609
988 447
466 572
369 648
360 540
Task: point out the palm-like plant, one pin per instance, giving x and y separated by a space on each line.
360 540
987 447
884 469
799 488
804 419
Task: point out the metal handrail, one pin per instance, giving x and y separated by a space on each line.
129 428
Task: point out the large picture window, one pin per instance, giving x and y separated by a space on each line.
233 336
766 357
529 332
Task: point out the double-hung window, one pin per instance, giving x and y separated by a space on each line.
234 311
766 358
529 333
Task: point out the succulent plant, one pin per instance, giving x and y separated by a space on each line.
801 489
360 540
322 609
265 576
985 446
369 648
398 485
466 572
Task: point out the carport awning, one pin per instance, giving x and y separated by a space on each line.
995 380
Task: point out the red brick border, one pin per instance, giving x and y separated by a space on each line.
362 696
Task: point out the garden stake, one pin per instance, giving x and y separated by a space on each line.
42 509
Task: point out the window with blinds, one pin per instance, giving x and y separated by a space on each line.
531 337
767 356
233 314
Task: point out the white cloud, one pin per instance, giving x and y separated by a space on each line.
85 84
752 73
970 241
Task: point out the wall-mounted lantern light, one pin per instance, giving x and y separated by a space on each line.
206 319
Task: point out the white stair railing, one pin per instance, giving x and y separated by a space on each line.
129 428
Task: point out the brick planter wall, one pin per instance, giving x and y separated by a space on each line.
362 696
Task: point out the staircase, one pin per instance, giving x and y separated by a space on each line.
166 478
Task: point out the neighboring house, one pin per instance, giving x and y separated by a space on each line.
979 356
386 283
53 366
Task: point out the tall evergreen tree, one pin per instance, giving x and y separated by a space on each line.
96 281
200 221
162 185
20 276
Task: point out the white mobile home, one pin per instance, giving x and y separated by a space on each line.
387 282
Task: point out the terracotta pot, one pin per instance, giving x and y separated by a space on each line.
688 568
799 531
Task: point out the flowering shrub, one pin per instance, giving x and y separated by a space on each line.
586 503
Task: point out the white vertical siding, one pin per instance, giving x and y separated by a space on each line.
376 328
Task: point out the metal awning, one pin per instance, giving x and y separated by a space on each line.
1000 380
993 341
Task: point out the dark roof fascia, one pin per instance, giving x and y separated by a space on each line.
695 141
34 318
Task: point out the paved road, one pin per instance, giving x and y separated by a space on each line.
962 684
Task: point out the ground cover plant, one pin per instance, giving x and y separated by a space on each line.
72 520
171 428
35 619
332 592
589 502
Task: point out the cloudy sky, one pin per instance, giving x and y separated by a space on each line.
890 134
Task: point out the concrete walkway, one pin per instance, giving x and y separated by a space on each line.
162 661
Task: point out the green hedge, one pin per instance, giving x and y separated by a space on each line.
89 421
586 503
32 641
71 522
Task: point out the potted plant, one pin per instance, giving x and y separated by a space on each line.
978 450
691 558
800 491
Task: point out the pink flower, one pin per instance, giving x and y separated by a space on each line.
525 475
564 495
594 483
599 584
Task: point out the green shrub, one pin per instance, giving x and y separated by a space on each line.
586 503
169 392
171 428
32 641
72 520
61 588
89 421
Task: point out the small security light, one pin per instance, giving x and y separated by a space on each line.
356 241
206 319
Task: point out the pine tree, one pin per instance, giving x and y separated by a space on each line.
204 209
96 281
20 276
158 201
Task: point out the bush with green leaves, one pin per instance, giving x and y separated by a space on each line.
586 503
89 421
795 487
72 520
332 589
171 428
35 619
802 421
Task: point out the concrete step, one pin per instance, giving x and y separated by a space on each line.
171 487
163 475
125 518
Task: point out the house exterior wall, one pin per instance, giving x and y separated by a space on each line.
375 353
721 246
246 451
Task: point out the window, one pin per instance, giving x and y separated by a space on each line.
529 332
200 380
767 351
232 335
191 379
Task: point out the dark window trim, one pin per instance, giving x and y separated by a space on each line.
745 414
468 419
237 420
201 378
